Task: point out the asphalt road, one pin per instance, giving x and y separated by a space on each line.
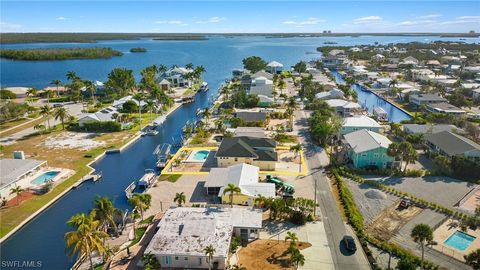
334 225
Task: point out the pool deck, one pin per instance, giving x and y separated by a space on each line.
444 231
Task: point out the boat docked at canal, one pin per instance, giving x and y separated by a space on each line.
162 153
149 131
204 87
142 184
380 114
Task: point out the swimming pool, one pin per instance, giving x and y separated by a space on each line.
44 177
459 240
200 155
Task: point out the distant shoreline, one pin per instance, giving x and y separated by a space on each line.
17 38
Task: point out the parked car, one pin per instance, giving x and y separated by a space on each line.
349 242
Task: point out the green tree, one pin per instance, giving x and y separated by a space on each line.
406 264
57 84
46 111
254 63
120 82
297 258
232 189
422 234
292 237
86 238
105 212
18 192
140 202
62 114
300 67
150 262
41 128
296 148
180 198
209 251
473 259
31 93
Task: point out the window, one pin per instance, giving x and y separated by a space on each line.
186 258
364 154
176 258
199 261
376 155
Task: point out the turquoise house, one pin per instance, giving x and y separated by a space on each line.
366 148
355 123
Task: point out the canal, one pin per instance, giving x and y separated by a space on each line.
369 100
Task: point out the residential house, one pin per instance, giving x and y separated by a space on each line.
334 59
17 173
249 116
425 99
245 177
262 73
409 61
118 103
355 123
334 93
256 132
262 86
444 107
450 144
103 115
425 129
274 67
177 77
165 85
344 107
368 149
184 232
259 152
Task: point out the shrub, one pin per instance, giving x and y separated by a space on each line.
298 218
129 107
108 126
6 94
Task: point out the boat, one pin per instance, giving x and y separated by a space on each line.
159 120
188 99
93 177
380 114
204 87
130 190
162 152
147 179
149 131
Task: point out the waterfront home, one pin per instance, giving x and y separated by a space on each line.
259 152
354 123
118 103
334 59
274 67
368 149
450 144
256 132
344 107
184 232
444 107
16 173
164 85
262 73
404 93
249 116
425 99
245 177
177 76
334 93
430 128
262 86
103 115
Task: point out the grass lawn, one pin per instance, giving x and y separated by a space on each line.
74 159
17 129
13 123
170 178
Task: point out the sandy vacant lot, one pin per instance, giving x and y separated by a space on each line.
83 141
267 254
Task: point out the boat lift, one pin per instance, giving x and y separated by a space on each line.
162 152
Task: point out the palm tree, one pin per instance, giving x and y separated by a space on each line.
207 113
105 212
46 111
40 128
134 215
232 189
292 237
150 262
72 76
422 234
62 114
209 251
409 154
274 95
18 192
296 148
141 202
281 85
149 106
297 258
180 198
86 238
473 259
32 92
48 94
292 103
189 66
162 68
90 87
57 84
395 152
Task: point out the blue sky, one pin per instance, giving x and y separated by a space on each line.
239 16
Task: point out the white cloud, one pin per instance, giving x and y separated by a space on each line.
9 27
463 20
61 18
173 22
416 22
368 20
429 16
309 21
214 19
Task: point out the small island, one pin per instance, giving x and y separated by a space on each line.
138 50
181 37
58 53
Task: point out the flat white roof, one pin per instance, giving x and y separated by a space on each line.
187 230
360 121
12 169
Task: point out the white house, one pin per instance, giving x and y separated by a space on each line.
334 93
354 123
262 86
104 115
184 233
343 107
176 76
274 67
424 99
118 103
16 172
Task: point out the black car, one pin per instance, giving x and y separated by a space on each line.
350 243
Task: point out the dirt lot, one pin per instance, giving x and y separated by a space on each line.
391 220
267 254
